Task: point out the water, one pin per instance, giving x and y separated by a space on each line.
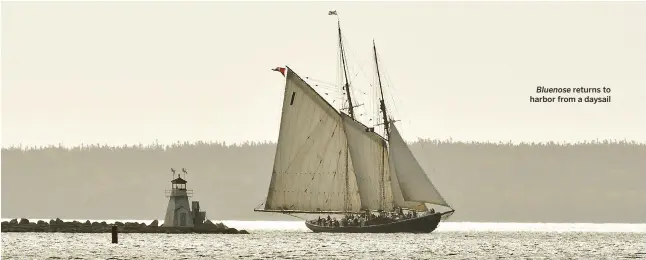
291 240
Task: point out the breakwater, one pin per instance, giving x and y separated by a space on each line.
57 225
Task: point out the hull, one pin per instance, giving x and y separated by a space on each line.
424 224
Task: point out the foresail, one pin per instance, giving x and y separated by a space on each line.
311 171
370 159
413 181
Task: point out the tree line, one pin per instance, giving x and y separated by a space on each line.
593 181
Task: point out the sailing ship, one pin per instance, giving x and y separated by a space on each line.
328 162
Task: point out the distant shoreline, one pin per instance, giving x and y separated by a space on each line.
267 142
495 182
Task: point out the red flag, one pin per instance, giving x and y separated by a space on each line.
280 69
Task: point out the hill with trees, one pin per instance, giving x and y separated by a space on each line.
494 182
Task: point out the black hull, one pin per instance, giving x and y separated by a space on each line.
424 224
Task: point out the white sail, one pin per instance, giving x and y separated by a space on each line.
413 181
398 197
370 159
312 171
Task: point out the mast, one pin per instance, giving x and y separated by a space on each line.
351 111
346 85
382 104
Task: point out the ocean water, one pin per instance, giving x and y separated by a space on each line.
292 240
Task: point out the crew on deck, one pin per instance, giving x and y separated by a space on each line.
368 218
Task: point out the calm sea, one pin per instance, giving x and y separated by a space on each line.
291 240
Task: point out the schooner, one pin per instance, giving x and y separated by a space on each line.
327 162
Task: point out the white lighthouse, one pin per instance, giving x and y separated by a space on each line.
178 213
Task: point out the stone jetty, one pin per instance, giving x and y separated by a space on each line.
57 225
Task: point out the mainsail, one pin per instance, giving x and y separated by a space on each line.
312 169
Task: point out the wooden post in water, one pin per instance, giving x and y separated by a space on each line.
115 235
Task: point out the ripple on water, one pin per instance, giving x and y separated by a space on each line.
305 245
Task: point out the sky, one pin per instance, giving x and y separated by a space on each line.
140 72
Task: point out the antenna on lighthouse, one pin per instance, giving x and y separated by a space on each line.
173 170
185 172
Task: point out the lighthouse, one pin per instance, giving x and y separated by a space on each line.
178 212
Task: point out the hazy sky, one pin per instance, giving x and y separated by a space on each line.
136 72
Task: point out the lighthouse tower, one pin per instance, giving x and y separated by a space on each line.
178 213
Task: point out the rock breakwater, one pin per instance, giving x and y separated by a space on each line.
57 225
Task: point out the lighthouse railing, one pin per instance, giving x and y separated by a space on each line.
178 192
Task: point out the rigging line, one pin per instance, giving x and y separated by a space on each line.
261 203
339 76
378 92
340 68
327 88
323 84
321 81
355 89
376 97
344 61
326 94
359 92
327 145
306 141
391 90
360 65
355 77
327 91
347 49
294 215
